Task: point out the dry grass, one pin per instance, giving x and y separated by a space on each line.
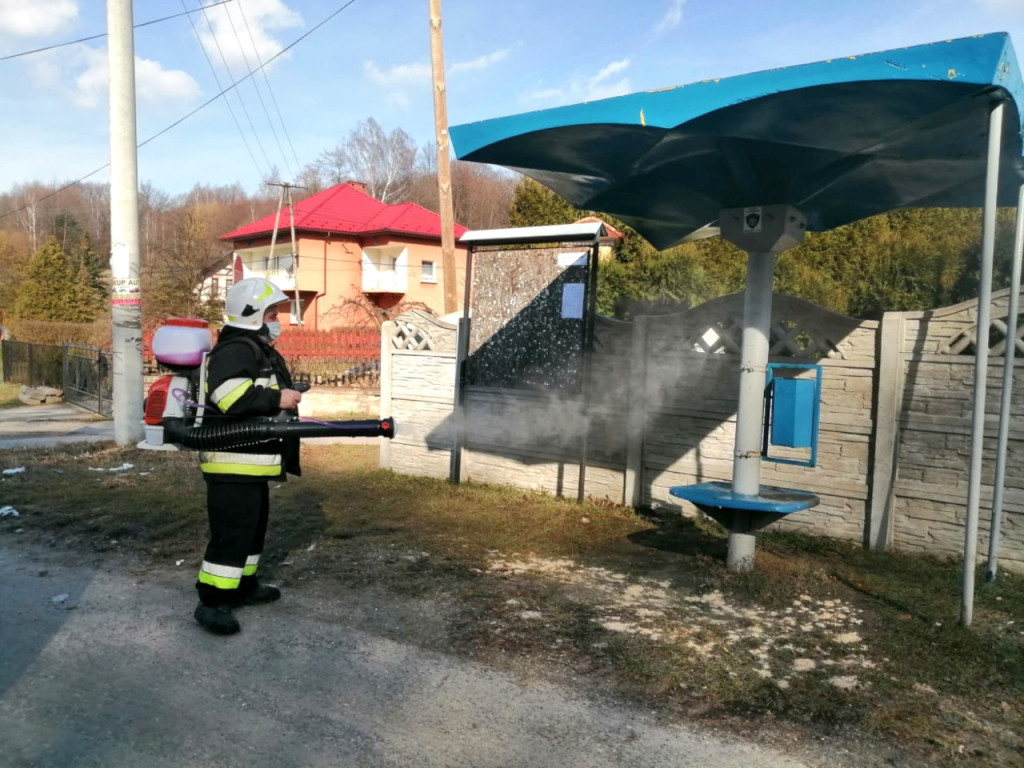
821 636
9 395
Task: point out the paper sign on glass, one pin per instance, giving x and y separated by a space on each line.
572 301
576 259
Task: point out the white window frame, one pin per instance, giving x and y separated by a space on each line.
431 276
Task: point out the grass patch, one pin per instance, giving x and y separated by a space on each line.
9 395
821 635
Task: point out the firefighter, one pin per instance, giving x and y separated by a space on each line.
245 378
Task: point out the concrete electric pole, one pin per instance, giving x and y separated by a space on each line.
126 289
444 171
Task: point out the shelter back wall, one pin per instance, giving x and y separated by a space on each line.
660 411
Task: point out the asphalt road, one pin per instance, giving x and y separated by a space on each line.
100 666
42 426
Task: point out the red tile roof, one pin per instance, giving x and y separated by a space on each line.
346 209
613 233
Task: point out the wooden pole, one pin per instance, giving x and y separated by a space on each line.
444 172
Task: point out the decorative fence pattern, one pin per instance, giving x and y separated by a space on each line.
659 410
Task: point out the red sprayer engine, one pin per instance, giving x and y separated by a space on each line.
176 416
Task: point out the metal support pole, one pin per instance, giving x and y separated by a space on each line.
1009 355
757 316
995 134
126 298
586 353
746 472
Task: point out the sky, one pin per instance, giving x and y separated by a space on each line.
371 59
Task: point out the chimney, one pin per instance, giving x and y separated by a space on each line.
360 185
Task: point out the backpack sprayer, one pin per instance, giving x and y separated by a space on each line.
174 411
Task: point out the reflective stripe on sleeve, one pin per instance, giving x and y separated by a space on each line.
227 394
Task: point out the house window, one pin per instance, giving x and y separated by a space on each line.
428 273
214 287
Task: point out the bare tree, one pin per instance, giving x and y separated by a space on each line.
383 161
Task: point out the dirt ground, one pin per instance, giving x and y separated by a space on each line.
594 600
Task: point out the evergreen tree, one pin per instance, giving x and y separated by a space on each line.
54 290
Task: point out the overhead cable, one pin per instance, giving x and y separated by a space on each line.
227 102
97 37
238 93
273 98
182 119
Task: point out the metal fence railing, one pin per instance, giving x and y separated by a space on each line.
34 365
88 378
83 373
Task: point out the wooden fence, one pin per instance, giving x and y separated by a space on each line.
337 357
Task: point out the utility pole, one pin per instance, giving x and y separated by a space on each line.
126 289
444 171
287 188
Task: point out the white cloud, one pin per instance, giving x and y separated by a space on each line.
90 86
1011 8
399 79
673 17
153 83
603 85
32 18
242 38
481 62
398 76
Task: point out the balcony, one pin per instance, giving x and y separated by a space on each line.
383 282
384 270
278 267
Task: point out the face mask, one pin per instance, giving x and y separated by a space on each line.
273 330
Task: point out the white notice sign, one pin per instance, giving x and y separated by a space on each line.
572 301
572 259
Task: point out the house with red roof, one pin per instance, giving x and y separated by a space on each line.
349 250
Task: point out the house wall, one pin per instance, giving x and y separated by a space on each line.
659 411
330 271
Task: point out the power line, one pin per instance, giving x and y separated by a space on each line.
273 98
259 95
227 102
238 93
97 37
182 119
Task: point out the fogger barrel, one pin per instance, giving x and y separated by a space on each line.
238 434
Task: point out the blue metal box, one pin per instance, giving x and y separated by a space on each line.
793 406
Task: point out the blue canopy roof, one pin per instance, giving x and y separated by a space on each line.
840 140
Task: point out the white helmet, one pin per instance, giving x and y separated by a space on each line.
248 299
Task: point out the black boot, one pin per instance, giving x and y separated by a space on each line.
217 618
264 593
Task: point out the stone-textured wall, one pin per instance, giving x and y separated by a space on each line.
659 409
933 447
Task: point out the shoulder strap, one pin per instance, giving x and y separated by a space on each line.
253 345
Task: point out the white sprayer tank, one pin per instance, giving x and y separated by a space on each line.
181 341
